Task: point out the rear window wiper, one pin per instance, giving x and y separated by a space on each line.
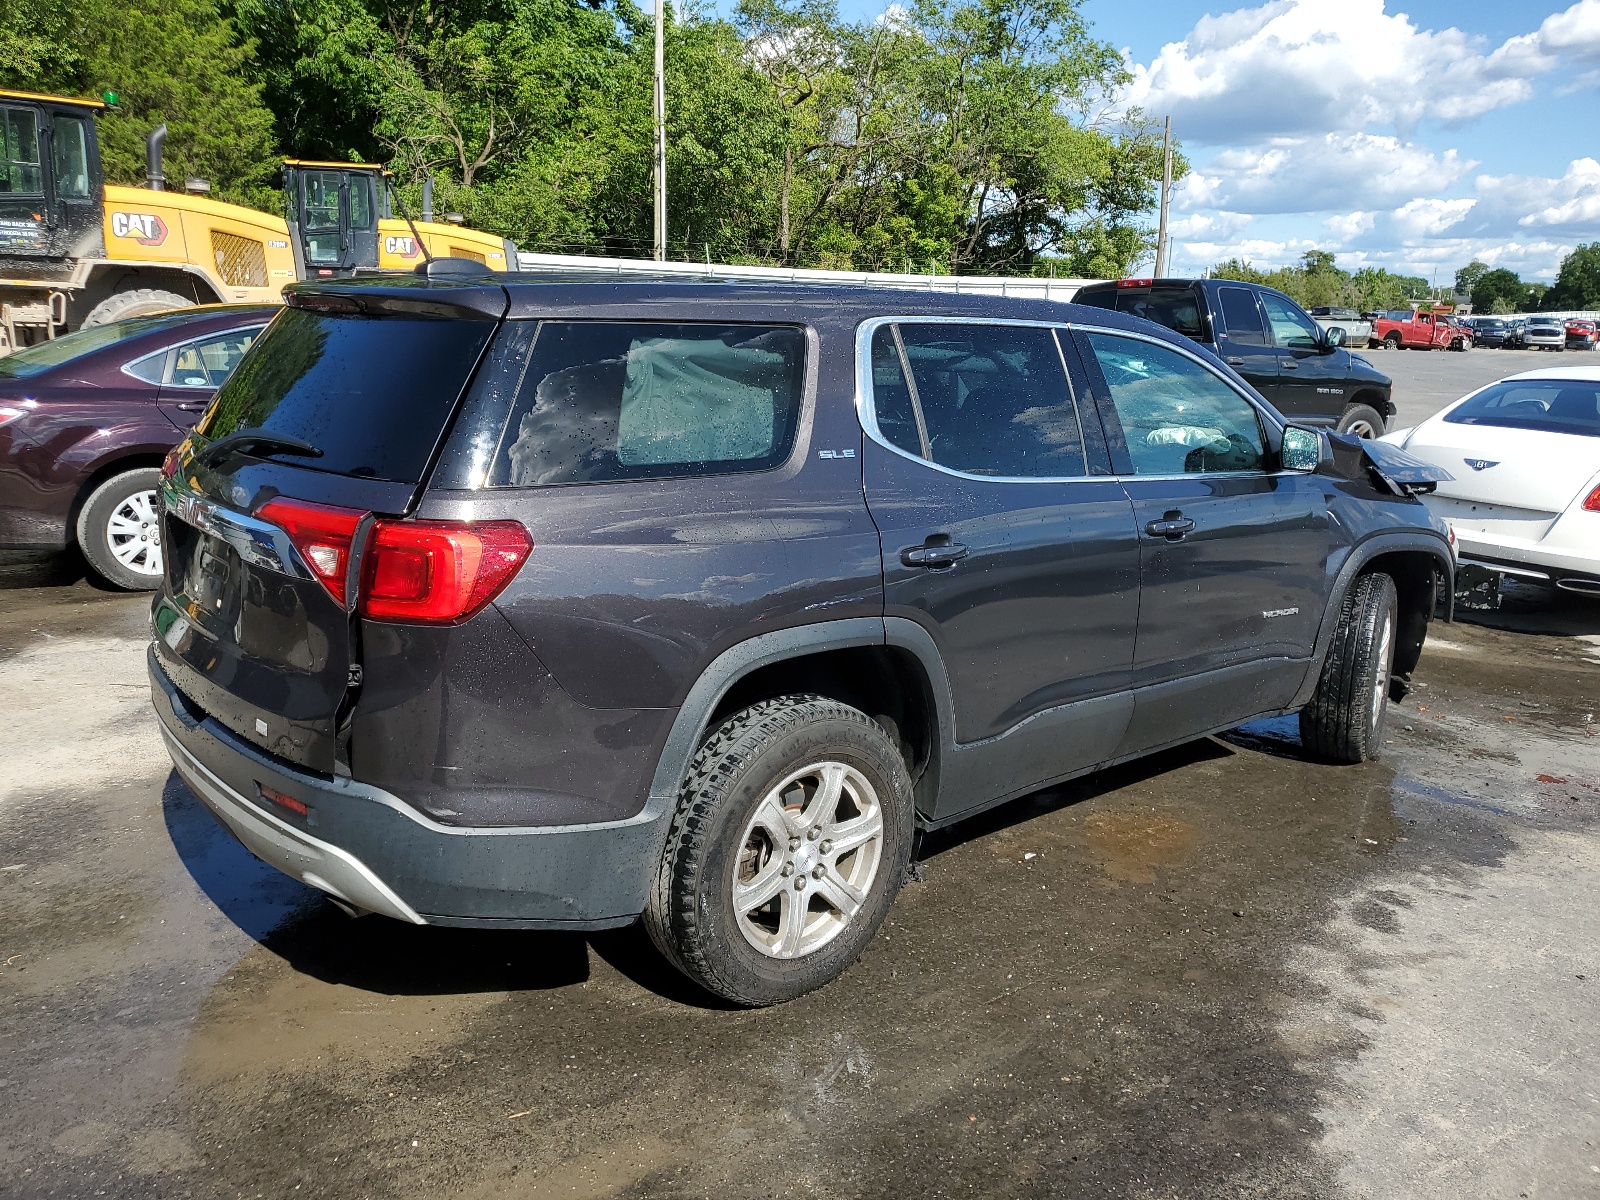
256 442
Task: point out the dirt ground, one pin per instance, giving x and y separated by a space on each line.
1225 971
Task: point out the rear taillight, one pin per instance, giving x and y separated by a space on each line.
1591 502
322 534
438 572
20 408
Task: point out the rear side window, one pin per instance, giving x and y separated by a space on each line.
984 399
1551 405
604 401
372 393
1242 317
71 139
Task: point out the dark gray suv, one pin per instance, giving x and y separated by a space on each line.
543 603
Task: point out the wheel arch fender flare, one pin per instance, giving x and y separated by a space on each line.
733 664
1363 553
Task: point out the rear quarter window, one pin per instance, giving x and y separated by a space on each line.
609 401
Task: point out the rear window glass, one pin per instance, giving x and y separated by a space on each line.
604 401
1552 405
1176 308
372 393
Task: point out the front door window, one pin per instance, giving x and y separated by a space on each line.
21 173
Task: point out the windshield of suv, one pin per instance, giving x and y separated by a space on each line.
36 360
372 393
1552 405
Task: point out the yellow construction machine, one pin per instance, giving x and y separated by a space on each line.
75 252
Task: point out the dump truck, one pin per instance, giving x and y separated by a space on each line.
75 251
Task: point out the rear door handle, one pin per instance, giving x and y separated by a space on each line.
1235 362
933 554
1289 364
192 405
1171 527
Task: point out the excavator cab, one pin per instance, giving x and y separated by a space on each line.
333 216
50 184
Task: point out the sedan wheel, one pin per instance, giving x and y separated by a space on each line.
119 530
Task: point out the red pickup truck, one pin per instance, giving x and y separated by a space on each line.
1420 330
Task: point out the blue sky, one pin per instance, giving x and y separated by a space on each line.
1414 137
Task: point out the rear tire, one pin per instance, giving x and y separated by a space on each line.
790 842
1362 420
1392 342
119 532
1344 721
140 302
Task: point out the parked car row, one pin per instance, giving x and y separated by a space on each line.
1534 333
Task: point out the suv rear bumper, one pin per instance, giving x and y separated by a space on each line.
370 849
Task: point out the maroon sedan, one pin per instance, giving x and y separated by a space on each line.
86 419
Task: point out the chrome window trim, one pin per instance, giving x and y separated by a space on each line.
172 350
867 416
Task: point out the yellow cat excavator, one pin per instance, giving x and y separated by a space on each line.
76 252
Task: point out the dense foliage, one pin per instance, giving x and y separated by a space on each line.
1319 280
949 134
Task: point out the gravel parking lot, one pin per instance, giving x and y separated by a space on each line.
1223 971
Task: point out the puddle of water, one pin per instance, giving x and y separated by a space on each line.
1135 845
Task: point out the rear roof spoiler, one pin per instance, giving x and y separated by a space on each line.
473 298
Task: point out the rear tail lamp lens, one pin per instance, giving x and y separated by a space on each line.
297 807
438 572
322 534
1591 502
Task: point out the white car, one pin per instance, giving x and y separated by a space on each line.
1525 453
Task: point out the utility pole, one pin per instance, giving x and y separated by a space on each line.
1166 200
661 133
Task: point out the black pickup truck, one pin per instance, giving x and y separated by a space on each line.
1306 373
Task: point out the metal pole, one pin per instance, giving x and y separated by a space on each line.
1166 199
661 133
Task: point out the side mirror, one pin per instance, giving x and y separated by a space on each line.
1334 338
1302 449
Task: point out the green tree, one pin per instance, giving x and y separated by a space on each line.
178 61
1468 276
1498 291
1577 283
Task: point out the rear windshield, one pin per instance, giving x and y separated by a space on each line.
372 393
1178 308
36 360
1552 405
605 401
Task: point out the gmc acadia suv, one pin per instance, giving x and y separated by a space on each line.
494 601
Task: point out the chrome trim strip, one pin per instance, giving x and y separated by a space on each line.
312 861
258 542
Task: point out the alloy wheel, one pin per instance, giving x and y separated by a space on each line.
807 860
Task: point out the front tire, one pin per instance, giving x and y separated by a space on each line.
141 302
1344 721
1362 420
119 531
791 838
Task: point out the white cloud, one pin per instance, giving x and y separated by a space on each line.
1335 171
1346 226
1297 67
1533 202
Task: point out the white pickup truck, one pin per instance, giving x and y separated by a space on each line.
1356 330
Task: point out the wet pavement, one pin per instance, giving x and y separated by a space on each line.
1223 971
